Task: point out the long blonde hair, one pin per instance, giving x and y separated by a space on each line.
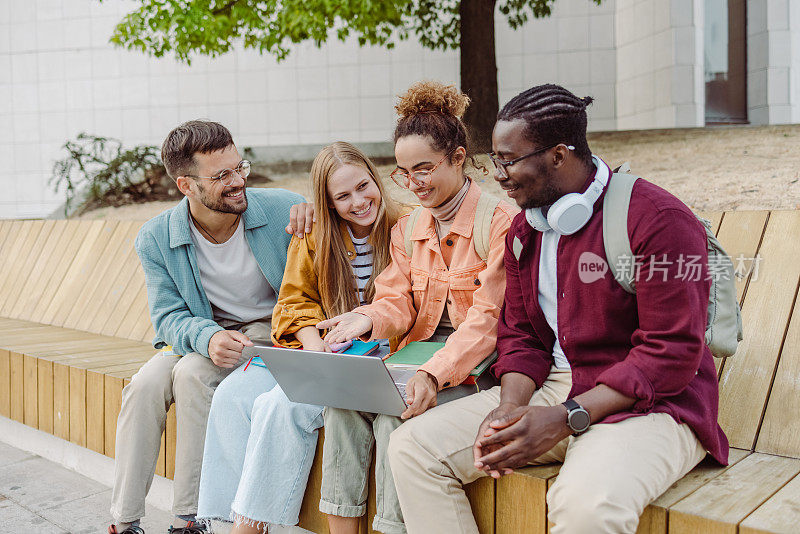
335 276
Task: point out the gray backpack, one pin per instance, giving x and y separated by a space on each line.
724 322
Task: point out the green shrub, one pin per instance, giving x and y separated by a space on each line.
99 171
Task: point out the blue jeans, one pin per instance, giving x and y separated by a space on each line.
258 451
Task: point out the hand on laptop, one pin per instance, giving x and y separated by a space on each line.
421 392
301 219
225 347
345 327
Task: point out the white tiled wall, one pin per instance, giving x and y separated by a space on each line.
659 64
640 59
773 61
59 76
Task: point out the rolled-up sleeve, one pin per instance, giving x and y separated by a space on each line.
519 348
672 302
392 309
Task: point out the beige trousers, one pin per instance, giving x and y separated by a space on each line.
610 473
189 381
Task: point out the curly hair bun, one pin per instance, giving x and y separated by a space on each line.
430 97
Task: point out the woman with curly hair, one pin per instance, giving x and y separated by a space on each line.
443 284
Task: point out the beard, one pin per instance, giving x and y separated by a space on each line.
548 194
219 203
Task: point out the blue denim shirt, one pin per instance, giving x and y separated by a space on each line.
179 307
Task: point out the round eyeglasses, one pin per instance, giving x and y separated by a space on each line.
226 176
421 178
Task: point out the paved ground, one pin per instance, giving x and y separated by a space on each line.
39 496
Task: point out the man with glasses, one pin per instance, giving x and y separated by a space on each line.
213 266
621 389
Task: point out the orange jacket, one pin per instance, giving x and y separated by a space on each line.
410 295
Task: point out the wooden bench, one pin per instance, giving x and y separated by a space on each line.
74 328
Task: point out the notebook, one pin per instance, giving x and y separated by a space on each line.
419 352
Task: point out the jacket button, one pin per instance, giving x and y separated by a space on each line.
445 384
477 282
449 242
449 301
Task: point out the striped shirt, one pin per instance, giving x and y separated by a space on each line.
362 264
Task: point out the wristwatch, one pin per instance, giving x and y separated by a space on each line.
578 419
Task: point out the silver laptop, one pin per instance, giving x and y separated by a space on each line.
363 383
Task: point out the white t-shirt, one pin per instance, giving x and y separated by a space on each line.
548 283
232 279
548 291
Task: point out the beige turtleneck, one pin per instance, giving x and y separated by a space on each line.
445 214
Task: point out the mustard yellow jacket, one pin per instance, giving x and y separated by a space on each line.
299 303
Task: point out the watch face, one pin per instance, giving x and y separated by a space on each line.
579 420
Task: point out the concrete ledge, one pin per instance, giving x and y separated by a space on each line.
81 460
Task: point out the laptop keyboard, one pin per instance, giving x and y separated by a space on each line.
402 389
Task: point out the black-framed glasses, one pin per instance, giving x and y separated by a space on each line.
502 165
226 176
421 178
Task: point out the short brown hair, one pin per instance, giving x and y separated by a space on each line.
186 140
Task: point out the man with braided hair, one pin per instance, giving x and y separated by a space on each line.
621 388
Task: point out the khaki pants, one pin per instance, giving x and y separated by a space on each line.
610 473
189 381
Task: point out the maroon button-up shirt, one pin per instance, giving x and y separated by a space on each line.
649 346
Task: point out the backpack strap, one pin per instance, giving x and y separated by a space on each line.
615 228
412 221
482 225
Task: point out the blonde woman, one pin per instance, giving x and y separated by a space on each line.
443 291
260 445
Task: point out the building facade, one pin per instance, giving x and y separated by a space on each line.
648 63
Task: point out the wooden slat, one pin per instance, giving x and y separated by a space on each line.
20 269
654 518
104 304
77 406
136 319
170 436
111 403
5 383
39 272
781 513
127 301
95 412
45 392
77 277
521 504
61 401
113 283
481 495
62 267
30 384
721 504
101 273
740 235
746 378
780 430
714 216
16 272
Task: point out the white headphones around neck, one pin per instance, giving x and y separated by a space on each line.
571 212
